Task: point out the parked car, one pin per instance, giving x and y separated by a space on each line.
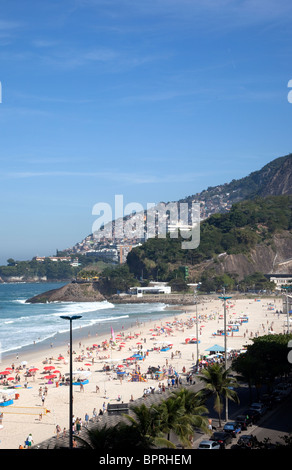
253 414
209 445
279 395
223 438
282 389
244 420
247 441
268 400
260 407
283 386
232 428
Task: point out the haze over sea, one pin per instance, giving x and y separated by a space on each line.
25 326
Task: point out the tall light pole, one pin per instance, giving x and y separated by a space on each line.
287 288
71 318
224 297
197 330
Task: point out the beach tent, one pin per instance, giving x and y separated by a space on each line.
216 348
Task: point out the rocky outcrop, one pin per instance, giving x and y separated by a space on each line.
272 258
73 292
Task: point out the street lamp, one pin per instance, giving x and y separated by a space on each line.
71 318
197 332
224 297
287 306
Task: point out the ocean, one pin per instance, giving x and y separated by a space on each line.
27 326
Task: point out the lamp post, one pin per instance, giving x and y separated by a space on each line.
224 297
197 330
287 288
71 318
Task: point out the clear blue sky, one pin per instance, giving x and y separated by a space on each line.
153 99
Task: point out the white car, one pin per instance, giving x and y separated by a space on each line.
209 445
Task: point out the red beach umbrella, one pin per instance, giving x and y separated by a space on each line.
5 372
10 378
51 376
49 367
33 369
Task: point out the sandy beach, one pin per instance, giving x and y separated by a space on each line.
93 355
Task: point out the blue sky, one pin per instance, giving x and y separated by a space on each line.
154 100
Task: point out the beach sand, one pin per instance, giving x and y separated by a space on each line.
23 417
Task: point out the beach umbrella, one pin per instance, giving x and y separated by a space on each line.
88 364
51 376
10 378
60 357
215 348
33 369
56 371
49 368
5 372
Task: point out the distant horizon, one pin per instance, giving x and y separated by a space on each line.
156 101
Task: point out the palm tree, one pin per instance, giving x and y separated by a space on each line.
172 417
145 424
101 439
180 414
220 384
194 404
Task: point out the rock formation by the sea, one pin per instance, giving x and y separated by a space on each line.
73 292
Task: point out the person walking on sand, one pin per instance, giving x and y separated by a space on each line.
58 430
29 440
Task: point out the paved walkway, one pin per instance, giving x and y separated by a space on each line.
110 419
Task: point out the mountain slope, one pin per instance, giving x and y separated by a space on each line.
255 235
273 179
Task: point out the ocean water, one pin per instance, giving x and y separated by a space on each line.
23 325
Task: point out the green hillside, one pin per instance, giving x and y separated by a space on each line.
248 224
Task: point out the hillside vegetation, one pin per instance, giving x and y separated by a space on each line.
247 225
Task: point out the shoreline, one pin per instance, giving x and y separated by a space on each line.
149 335
80 333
